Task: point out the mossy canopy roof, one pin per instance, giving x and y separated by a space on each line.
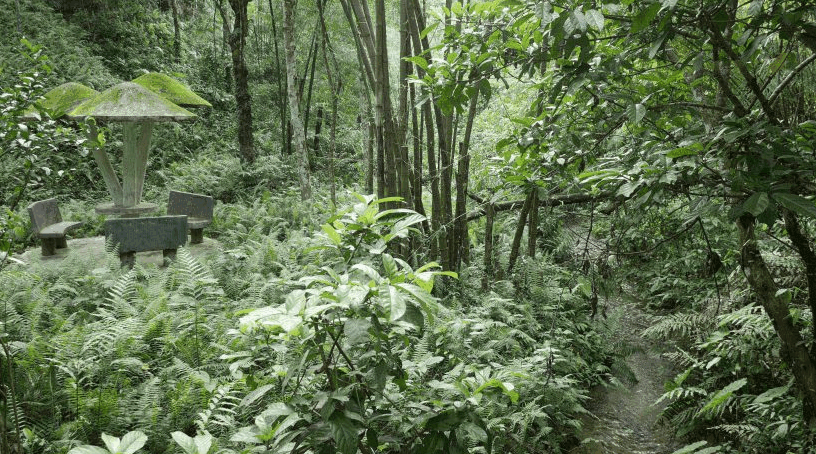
171 89
61 99
128 101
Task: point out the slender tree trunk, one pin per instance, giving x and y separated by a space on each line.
761 281
460 230
404 166
298 135
532 227
226 33
311 70
333 75
176 32
514 248
416 132
241 77
280 77
318 127
487 278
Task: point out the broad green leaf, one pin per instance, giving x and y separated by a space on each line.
657 44
595 18
344 433
756 204
256 394
88 449
669 4
185 442
203 443
428 30
680 152
419 61
397 304
797 204
111 442
628 188
771 394
644 18
332 234
356 330
367 270
636 112
688 449
132 442
390 265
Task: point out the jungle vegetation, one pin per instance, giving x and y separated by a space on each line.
400 189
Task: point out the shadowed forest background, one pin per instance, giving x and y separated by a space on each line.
439 228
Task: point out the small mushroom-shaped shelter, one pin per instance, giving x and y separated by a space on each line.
171 90
138 108
60 100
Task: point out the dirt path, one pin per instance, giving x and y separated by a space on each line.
625 418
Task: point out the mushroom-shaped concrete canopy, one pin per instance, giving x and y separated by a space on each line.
138 108
171 89
128 101
60 100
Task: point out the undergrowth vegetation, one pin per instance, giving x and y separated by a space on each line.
586 183
320 343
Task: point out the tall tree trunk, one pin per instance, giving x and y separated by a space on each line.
532 226
416 185
514 248
403 167
460 231
386 139
373 52
176 32
241 76
298 135
487 278
280 76
310 69
333 76
761 281
360 31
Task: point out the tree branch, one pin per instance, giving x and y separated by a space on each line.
555 200
789 78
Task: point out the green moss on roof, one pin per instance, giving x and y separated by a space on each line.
61 100
128 101
171 89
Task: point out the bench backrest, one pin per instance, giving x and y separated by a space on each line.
44 213
147 234
193 205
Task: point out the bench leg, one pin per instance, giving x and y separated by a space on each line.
62 243
127 259
196 236
49 246
169 255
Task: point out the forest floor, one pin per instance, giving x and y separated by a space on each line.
93 249
624 417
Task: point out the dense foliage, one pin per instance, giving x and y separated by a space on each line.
534 164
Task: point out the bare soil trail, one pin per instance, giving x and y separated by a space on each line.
623 417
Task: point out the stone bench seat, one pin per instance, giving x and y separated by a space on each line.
46 220
161 233
198 209
58 230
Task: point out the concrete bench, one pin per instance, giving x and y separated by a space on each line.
198 209
131 235
49 226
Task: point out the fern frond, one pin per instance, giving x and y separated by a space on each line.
689 325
